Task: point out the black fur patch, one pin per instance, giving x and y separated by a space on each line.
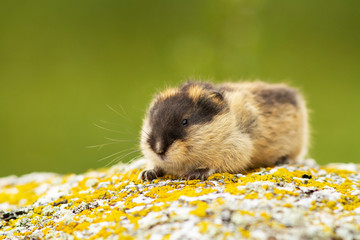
166 117
278 95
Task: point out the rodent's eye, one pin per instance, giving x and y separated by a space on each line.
184 122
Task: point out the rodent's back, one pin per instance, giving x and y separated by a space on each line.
275 117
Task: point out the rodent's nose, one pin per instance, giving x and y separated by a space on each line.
159 149
160 152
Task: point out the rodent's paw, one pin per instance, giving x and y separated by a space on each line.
198 173
150 174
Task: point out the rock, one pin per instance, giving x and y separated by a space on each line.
298 202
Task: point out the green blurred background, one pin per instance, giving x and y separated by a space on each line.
63 62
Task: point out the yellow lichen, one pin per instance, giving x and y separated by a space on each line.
288 205
245 212
166 237
20 195
219 201
265 215
45 230
203 226
268 195
244 232
201 209
253 195
331 205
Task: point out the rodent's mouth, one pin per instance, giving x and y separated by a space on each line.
163 157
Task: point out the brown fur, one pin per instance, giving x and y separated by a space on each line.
259 125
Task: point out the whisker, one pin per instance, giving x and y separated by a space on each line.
120 157
123 110
107 129
133 159
134 177
123 115
119 140
138 170
112 123
127 117
112 109
137 150
132 132
146 133
100 146
127 130
112 155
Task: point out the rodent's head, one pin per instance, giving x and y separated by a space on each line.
176 115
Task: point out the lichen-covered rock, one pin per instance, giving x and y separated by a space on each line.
307 202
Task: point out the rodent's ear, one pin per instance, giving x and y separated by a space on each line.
217 95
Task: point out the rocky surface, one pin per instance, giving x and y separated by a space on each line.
297 202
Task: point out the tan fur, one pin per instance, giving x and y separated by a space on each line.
283 128
233 141
195 92
167 93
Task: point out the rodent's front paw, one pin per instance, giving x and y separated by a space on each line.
198 173
150 174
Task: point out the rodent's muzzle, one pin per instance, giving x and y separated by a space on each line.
160 148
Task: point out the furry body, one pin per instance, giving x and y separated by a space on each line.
201 128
